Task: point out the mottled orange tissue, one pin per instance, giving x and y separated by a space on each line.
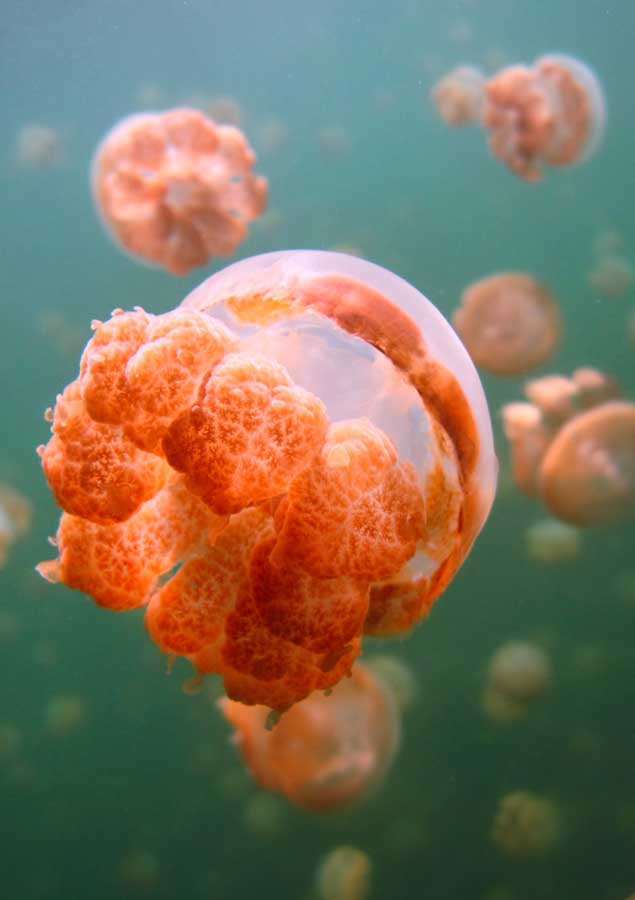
272 487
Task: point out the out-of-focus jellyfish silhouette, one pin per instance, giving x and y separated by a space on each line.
573 446
551 113
551 541
272 135
611 276
587 476
334 142
10 742
139 869
458 96
64 713
15 518
327 751
397 676
344 874
264 815
39 147
518 673
526 825
509 323
175 189
210 465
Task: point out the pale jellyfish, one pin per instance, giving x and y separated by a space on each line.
214 467
611 276
39 146
458 96
15 518
509 322
327 751
139 869
175 188
518 673
264 815
551 541
551 113
334 142
64 713
344 874
526 825
587 476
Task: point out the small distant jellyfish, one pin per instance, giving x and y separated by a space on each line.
551 113
15 518
39 147
458 96
327 751
587 476
551 541
526 825
213 467
509 323
264 815
344 874
224 110
175 189
64 713
397 676
10 742
334 142
518 673
272 135
611 276
139 869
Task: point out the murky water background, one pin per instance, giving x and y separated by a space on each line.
146 781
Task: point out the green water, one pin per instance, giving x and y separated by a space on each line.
150 770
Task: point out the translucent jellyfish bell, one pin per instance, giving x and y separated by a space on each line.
298 455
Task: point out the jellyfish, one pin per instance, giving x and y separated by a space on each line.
551 113
517 674
327 751
526 825
214 467
39 146
344 874
531 427
587 476
551 541
175 188
509 323
611 276
458 96
15 518
64 713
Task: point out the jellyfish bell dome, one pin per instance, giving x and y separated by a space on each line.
587 476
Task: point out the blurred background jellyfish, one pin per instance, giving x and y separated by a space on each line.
64 713
517 674
611 276
572 446
15 518
39 146
526 825
327 751
551 113
175 189
397 677
509 322
211 468
551 541
344 874
458 96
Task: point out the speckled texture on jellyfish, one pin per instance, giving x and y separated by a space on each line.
299 454
175 188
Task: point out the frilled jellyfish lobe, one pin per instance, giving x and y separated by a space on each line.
298 454
550 113
175 188
326 752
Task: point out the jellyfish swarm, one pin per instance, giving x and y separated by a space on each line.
299 454
175 188
573 446
509 323
327 751
551 113
458 96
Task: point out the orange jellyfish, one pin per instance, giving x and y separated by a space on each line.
588 474
214 466
551 113
327 751
458 96
509 323
175 188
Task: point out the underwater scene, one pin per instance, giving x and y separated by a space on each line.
317 467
